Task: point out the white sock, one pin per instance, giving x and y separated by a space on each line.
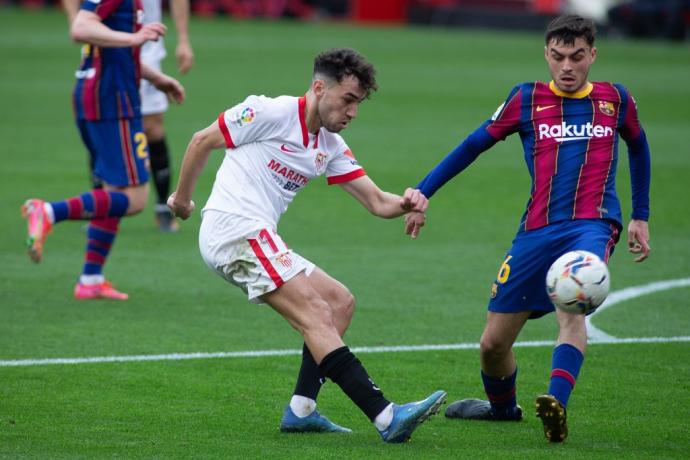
302 406
384 419
90 280
49 212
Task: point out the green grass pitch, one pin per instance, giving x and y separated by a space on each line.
436 85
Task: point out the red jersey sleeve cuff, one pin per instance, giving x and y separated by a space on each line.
352 175
226 132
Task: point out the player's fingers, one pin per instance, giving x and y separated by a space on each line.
644 251
417 228
416 201
184 63
189 210
409 225
171 200
159 27
179 92
635 246
423 203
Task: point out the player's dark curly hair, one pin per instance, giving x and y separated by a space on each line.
338 63
569 27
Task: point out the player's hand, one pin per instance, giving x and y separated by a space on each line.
638 239
181 209
171 87
414 200
414 221
184 56
149 32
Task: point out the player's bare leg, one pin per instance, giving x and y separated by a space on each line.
338 297
309 313
568 356
310 379
499 372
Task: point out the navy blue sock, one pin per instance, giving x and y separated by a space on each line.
501 392
566 364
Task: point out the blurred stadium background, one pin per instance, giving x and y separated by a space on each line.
668 19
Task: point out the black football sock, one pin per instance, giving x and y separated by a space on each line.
160 169
310 378
347 371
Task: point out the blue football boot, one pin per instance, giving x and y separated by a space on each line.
408 417
312 423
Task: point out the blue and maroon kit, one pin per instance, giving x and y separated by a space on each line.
106 98
570 144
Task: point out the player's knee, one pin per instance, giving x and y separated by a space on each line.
138 197
153 127
493 349
345 305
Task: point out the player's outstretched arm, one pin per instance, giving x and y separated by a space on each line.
165 83
385 204
87 27
183 51
638 239
195 158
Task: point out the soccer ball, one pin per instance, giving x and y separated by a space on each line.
578 282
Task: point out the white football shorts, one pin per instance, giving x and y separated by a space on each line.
153 101
258 263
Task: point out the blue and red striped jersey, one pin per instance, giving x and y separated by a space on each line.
108 78
570 143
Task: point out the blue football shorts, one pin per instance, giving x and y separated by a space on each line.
521 281
118 149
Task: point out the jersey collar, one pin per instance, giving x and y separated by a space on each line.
579 95
301 110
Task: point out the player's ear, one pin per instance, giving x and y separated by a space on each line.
546 53
594 54
318 86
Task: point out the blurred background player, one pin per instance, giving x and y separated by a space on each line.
107 110
275 146
154 103
569 130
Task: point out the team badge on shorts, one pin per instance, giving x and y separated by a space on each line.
284 260
494 290
606 108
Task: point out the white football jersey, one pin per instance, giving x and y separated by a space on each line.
271 156
152 52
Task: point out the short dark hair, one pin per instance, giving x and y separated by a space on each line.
338 63
569 27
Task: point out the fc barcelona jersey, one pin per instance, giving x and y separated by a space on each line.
108 78
570 144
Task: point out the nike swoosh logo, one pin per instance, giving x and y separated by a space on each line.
287 150
540 108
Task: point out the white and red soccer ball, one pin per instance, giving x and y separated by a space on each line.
578 282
